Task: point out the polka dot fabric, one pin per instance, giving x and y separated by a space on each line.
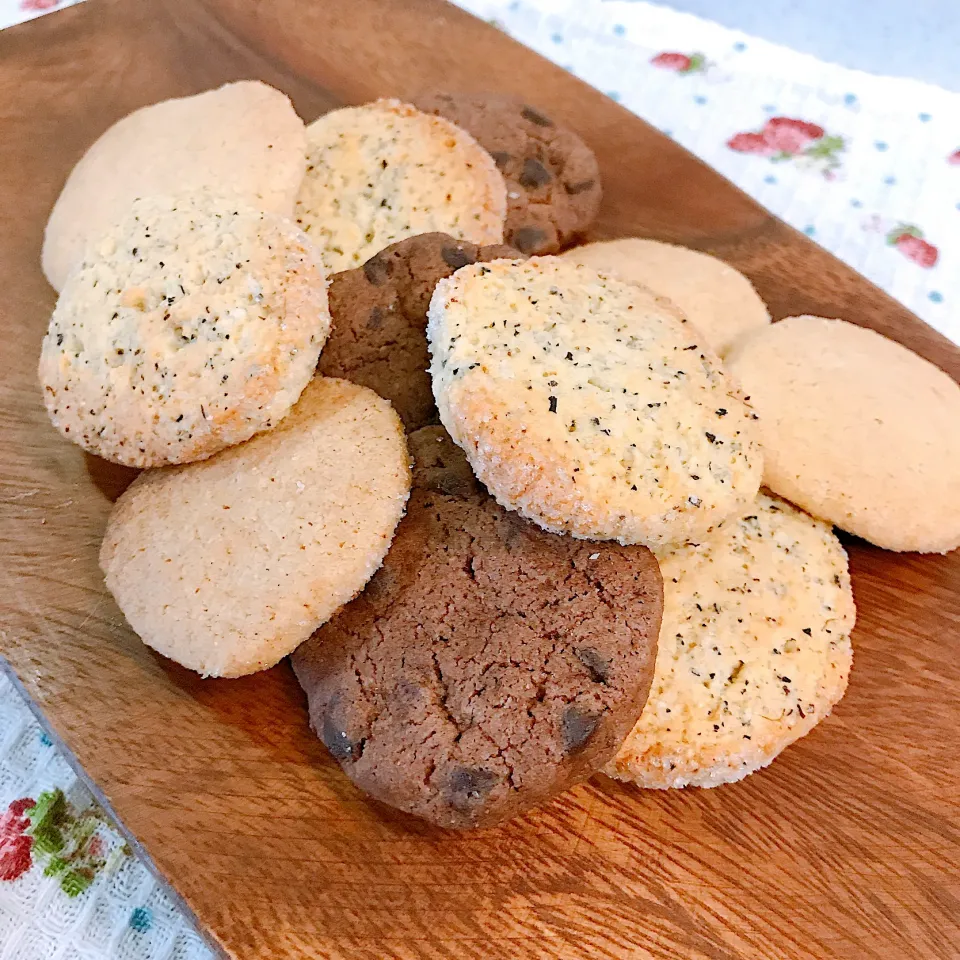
867 166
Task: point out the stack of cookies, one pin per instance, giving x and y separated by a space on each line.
506 513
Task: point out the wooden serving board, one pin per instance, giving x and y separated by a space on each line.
847 847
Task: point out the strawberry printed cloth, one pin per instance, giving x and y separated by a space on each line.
867 166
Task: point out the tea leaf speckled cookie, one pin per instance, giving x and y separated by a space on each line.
189 327
587 404
382 172
754 649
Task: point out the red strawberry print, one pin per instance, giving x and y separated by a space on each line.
784 138
750 143
15 845
672 61
780 135
14 855
790 136
954 158
681 62
38 4
909 241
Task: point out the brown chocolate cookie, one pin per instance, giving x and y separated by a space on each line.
379 314
553 181
489 665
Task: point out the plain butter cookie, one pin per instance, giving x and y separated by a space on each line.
227 565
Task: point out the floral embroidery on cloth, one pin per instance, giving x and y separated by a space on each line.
69 884
65 841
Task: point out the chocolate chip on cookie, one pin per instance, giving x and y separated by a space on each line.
553 181
381 312
489 665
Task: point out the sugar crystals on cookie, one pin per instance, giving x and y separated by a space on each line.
227 565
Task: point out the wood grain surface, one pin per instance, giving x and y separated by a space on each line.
847 847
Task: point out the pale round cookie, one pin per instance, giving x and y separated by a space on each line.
226 566
588 404
856 429
382 172
717 299
754 649
190 327
243 137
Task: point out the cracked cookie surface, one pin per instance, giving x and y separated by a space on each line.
489 665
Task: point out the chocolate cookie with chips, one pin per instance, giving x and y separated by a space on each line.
380 308
488 665
553 181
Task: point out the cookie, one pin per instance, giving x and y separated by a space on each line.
754 649
717 299
587 404
244 138
189 327
227 565
553 180
488 665
382 172
856 429
379 316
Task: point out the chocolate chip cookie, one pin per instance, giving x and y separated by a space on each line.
489 665
553 181
380 312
